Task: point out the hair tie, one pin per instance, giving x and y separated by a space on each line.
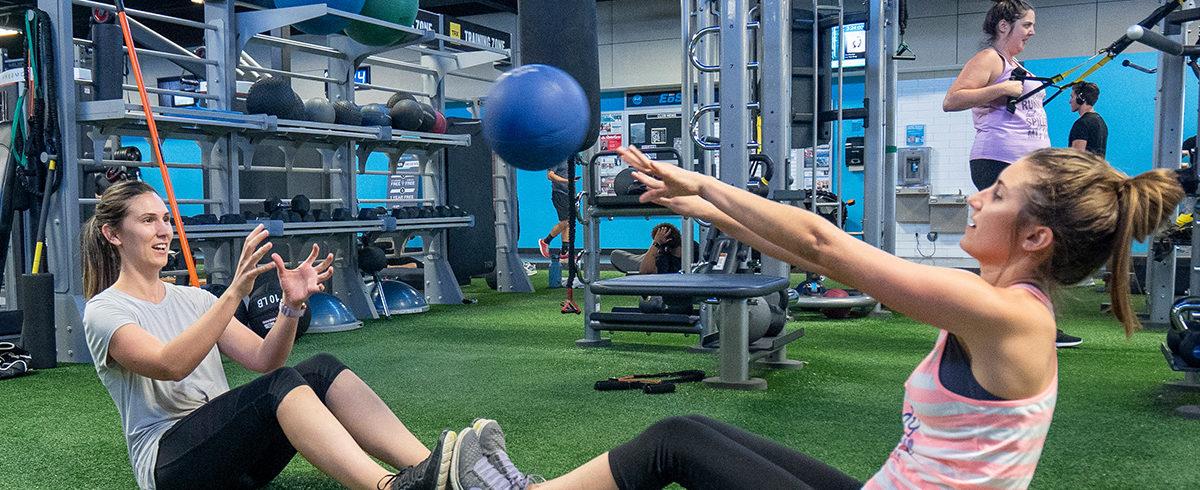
1123 187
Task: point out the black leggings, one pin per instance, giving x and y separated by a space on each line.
235 441
698 452
984 172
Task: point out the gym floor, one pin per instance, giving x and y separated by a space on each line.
512 357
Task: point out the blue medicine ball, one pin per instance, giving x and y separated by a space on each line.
536 116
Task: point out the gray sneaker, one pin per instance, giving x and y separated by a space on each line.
471 469
431 474
491 437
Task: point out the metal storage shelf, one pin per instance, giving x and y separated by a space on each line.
228 141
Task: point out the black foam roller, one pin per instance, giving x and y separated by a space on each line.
542 24
109 56
35 298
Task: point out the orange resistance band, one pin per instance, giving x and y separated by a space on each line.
155 145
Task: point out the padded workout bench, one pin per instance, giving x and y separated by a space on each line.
731 291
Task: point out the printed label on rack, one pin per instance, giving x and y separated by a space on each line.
476 34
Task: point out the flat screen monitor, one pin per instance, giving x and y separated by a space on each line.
608 166
855 37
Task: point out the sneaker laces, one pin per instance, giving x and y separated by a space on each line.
406 476
518 480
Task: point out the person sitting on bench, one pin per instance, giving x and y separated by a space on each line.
977 409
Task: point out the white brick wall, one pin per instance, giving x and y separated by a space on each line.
950 136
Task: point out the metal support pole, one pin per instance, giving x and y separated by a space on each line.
686 104
62 231
735 348
875 98
735 92
1168 142
776 101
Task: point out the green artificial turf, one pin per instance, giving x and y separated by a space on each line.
512 357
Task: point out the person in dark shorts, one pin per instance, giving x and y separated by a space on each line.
560 197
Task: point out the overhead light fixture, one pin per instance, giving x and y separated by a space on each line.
4 31
198 2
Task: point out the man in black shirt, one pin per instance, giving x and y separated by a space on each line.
1089 131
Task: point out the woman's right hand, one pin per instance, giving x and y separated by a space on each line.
662 180
248 267
1011 88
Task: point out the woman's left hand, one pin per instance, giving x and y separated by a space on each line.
305 279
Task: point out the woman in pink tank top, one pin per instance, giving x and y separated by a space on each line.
985 85
977 410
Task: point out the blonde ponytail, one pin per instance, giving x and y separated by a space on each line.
1144 203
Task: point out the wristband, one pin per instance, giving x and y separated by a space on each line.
290 312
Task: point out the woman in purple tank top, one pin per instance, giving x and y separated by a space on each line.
984 86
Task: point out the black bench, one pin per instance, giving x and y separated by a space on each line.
731 292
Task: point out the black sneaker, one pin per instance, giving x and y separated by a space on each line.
431 474
1065 340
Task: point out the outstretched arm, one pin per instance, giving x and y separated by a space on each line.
952 299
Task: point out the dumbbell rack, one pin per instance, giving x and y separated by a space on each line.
228 141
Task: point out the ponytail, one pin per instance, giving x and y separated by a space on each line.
101 262
1143 204
1095 213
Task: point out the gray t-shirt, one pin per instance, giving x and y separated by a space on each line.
148 407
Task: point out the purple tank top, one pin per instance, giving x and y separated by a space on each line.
1004 136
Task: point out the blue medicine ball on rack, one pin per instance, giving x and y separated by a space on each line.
536 116
401 298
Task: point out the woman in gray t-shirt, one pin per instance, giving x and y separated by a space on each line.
157 350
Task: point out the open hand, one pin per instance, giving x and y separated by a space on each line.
248 267
305 279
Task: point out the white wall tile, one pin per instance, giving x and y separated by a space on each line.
642 20
646 63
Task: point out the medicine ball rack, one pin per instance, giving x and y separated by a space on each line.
228 141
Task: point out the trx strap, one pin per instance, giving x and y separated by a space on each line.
568 304
1108 54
